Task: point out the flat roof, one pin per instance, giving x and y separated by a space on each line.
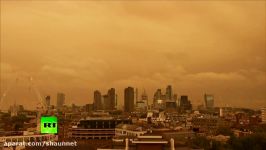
150 142
150 137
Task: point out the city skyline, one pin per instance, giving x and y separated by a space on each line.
120 102
79 47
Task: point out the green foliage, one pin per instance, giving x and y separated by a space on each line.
17 122
19 118
200 142
215 145
17 126
255 141
224 131
259 128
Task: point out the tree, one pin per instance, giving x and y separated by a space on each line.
255 141
224 131
200 142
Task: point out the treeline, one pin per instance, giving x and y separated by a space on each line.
255 141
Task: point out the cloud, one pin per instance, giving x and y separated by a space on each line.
231 76
6 68
60 70
7 71
196 47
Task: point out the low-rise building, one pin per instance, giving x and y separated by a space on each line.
97 127
241 133
219 138
208 124
151 142
129 130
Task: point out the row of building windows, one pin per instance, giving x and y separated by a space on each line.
128 132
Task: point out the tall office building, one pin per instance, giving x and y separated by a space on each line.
116 101
184 103
175 97
141 105
60 100
209 101
112 99
263 115
144 97
48 101
97 96
157 94
137 95
129 99
105 102
168 94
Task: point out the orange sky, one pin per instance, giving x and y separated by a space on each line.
76 47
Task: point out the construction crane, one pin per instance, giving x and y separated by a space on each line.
32 87
41 103
3 96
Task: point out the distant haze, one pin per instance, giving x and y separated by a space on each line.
76 47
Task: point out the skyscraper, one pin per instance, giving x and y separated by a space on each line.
105 102
144 97
97 97
157 95
169 93
209 101
263 115
175 97
185 104
158 99
129 99
111 99
60 100
47 101
141 105
137 95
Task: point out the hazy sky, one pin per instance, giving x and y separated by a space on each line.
77 47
